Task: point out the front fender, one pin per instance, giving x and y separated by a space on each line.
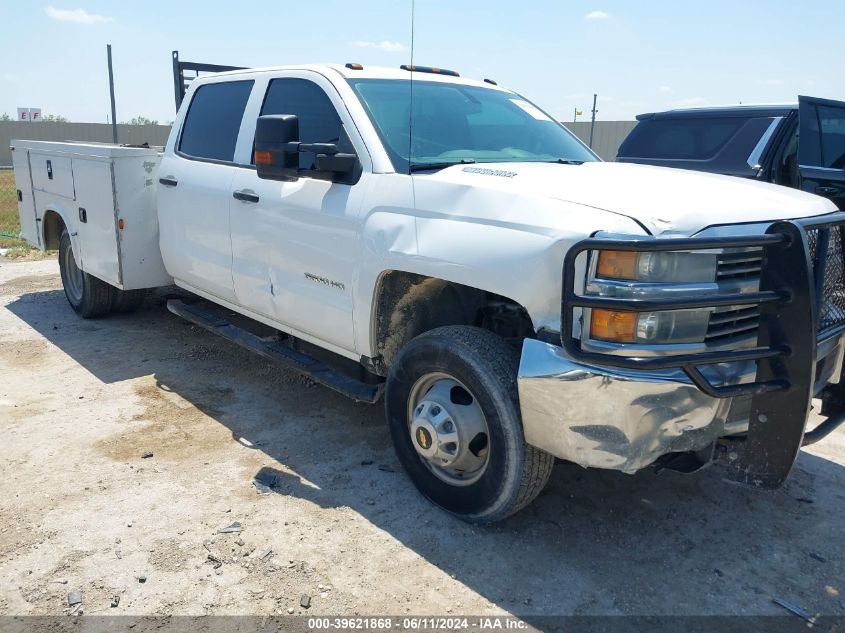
519 265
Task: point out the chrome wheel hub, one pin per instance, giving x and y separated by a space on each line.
448 429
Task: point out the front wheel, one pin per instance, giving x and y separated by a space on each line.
453 412
87 295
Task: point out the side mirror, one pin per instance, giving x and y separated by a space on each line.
339 164
277 147
277 150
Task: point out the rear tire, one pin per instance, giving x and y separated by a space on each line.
439 382
87 295
127 300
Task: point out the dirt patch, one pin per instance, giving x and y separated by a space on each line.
20 533
171 554
33 354
169 426
18 286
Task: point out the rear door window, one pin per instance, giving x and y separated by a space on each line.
682 139
832 124
214 119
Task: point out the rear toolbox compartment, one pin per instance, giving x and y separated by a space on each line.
105 195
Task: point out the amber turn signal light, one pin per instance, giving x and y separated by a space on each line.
263 158
613 325
617 264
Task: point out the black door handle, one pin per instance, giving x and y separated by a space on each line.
826 191
168 181
245 196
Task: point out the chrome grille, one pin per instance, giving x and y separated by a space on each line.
728 324
733 323
739 265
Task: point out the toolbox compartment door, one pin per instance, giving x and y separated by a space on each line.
96 219
26 202
52 173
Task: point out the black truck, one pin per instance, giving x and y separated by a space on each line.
795 145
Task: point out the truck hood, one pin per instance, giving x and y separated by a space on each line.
659 198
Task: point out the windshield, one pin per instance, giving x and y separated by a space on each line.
454 123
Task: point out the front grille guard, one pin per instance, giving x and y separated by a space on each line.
790 302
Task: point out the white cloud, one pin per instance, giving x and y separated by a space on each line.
770 82
385 45
689 102
77 16
596 15
665 89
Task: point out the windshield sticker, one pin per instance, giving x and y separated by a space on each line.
490 172
531 109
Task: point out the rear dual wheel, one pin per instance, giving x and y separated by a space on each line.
87 295
453 411
127 300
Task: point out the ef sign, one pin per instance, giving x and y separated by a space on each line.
29 114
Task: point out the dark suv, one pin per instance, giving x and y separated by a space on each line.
800 145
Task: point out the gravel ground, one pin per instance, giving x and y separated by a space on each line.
82 509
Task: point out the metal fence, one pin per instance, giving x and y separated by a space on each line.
97 132
8 208
607 137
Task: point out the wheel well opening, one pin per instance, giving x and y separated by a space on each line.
408 304
53 226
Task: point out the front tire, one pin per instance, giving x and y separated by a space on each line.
87 295
453 412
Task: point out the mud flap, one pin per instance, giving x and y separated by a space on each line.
777 418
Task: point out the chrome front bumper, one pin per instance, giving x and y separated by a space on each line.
616 419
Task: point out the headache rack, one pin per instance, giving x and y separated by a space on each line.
181 80
799 305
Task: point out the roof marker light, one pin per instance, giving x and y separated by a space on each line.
429 69
491 81
351 66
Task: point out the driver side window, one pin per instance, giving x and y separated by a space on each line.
318 119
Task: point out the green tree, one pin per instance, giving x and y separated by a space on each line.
58 118
5 117
141 120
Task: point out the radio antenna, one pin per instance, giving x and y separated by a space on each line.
411 99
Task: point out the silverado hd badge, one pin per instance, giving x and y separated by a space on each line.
490 172
331 283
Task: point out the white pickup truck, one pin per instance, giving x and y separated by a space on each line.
445 243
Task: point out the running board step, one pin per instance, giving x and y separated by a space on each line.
278 352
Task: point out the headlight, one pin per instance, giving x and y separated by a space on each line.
657 267
649 272
649 328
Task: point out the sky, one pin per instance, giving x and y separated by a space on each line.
637 56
